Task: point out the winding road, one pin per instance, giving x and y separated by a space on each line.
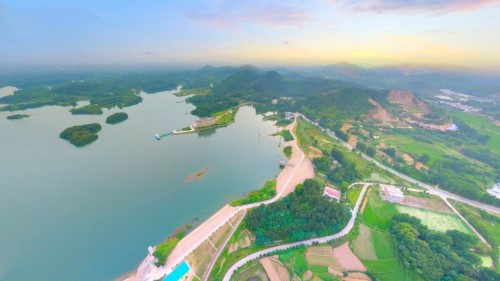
432 190
309 242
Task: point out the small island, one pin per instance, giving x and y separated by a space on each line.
17 116
197 175
116 118
81 135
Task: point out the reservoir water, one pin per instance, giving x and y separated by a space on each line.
89 213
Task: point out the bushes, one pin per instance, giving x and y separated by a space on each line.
266 193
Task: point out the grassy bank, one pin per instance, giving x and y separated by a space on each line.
265 193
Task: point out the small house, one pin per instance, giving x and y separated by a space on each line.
332 193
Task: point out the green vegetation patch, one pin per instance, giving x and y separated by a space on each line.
189 92
378 213
265 193
484 127
116 118
376 177
434 255
436 220
353 194
164 249
81 135
301 215
17 116
91 109
225 118
287 136
287 150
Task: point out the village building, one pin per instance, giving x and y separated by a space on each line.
332 193
391 193
204 122
179 273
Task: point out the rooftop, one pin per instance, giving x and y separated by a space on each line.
392 190
331 192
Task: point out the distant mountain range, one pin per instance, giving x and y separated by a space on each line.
421 79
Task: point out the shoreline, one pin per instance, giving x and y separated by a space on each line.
299 169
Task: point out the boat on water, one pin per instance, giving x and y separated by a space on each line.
157 137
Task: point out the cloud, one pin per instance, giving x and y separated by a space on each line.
149 54
232 13
415 6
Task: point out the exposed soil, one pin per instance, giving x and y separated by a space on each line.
408 159
347 259
408 100
380 113
433 204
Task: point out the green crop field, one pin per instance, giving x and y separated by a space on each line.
377 212
411 146
387 266
436 220
484 127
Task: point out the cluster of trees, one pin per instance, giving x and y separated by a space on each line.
287 136
81 135
91 109
437 256
301 215
367 149
484 155
210 104
116 118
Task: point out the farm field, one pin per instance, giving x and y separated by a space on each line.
413 147
382 261
436 220
377 212
254 271
484 127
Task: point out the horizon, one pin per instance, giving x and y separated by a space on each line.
367 33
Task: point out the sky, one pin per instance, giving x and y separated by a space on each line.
312 32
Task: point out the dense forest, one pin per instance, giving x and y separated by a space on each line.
438 256
301 215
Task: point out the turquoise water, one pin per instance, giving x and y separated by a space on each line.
89 213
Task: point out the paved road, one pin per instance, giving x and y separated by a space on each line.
309 242
432 190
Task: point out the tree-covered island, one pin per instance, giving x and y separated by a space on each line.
81 135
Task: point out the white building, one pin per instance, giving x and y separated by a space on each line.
332 193
391 193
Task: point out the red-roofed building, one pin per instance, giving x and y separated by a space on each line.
332 193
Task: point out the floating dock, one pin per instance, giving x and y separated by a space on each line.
158 137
